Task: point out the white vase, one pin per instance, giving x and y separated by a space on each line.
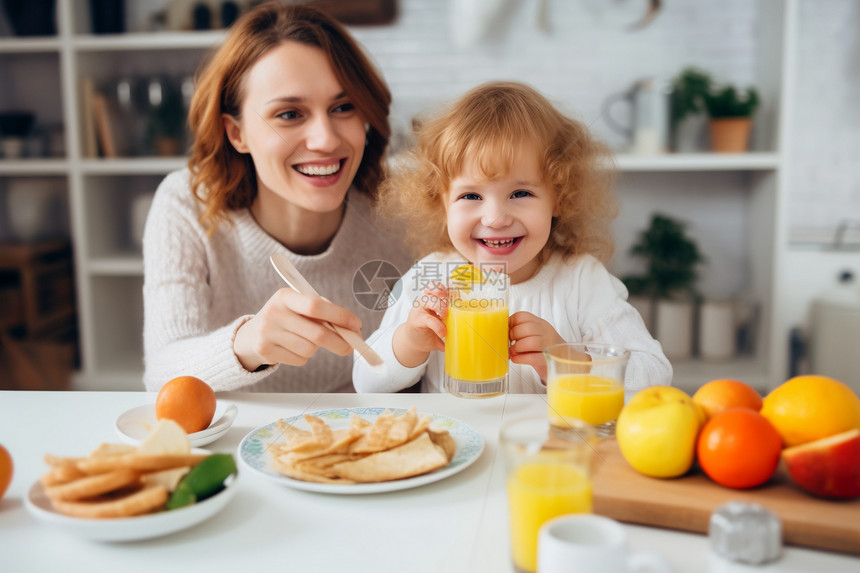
139 210
691 135
674 328
33 208
644 305
717 330
12 147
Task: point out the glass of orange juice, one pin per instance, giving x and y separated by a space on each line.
476 345
585 381
548 474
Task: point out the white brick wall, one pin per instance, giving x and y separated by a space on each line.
824 188
588 54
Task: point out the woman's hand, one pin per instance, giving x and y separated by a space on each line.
289 330
424 329
530 335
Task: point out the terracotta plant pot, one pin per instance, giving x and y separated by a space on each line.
167 146
730 134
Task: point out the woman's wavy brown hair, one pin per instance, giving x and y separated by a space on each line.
224 179
489 125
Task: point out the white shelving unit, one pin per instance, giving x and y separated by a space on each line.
110 270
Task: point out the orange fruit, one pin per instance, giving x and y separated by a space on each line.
188 401
719 395
739 448
808 408
6 468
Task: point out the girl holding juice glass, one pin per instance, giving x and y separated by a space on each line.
504 182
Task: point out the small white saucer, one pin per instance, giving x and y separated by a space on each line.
136 424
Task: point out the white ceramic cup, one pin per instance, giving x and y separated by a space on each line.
139 211
588 543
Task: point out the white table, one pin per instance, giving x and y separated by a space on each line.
455 525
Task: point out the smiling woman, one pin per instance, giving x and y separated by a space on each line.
290 123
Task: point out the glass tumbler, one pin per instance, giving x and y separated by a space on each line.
585 381
548 473
476 346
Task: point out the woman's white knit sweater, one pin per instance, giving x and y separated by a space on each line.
198 290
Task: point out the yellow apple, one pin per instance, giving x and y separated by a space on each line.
657 431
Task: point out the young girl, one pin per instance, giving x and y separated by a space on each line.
502 180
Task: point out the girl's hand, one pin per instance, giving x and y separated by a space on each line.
289 330
424 329
530 335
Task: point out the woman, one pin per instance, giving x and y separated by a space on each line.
290 123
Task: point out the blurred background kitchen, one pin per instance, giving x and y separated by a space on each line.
763 230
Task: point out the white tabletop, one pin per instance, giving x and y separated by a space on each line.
457 524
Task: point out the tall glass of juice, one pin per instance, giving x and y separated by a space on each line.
548 474
585 381
476 345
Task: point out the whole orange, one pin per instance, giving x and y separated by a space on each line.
808 408
6 468
739 448
188 401
719 395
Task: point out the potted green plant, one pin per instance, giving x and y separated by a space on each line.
730 111
669 282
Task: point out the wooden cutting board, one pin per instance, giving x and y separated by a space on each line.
686 503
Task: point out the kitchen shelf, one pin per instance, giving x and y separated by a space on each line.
124 374
35 167
689 375
699 162
133 165
30 45
148 41
118 266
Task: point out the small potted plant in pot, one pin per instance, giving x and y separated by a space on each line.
731 114
671 258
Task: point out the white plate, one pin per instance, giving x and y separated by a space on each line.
135 425
129 528
253 451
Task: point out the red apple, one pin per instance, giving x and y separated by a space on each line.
829 467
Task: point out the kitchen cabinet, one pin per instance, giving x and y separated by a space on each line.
749 187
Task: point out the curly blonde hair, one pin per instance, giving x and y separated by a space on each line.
224 179
488 125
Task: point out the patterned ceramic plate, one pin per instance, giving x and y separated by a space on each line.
254 455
